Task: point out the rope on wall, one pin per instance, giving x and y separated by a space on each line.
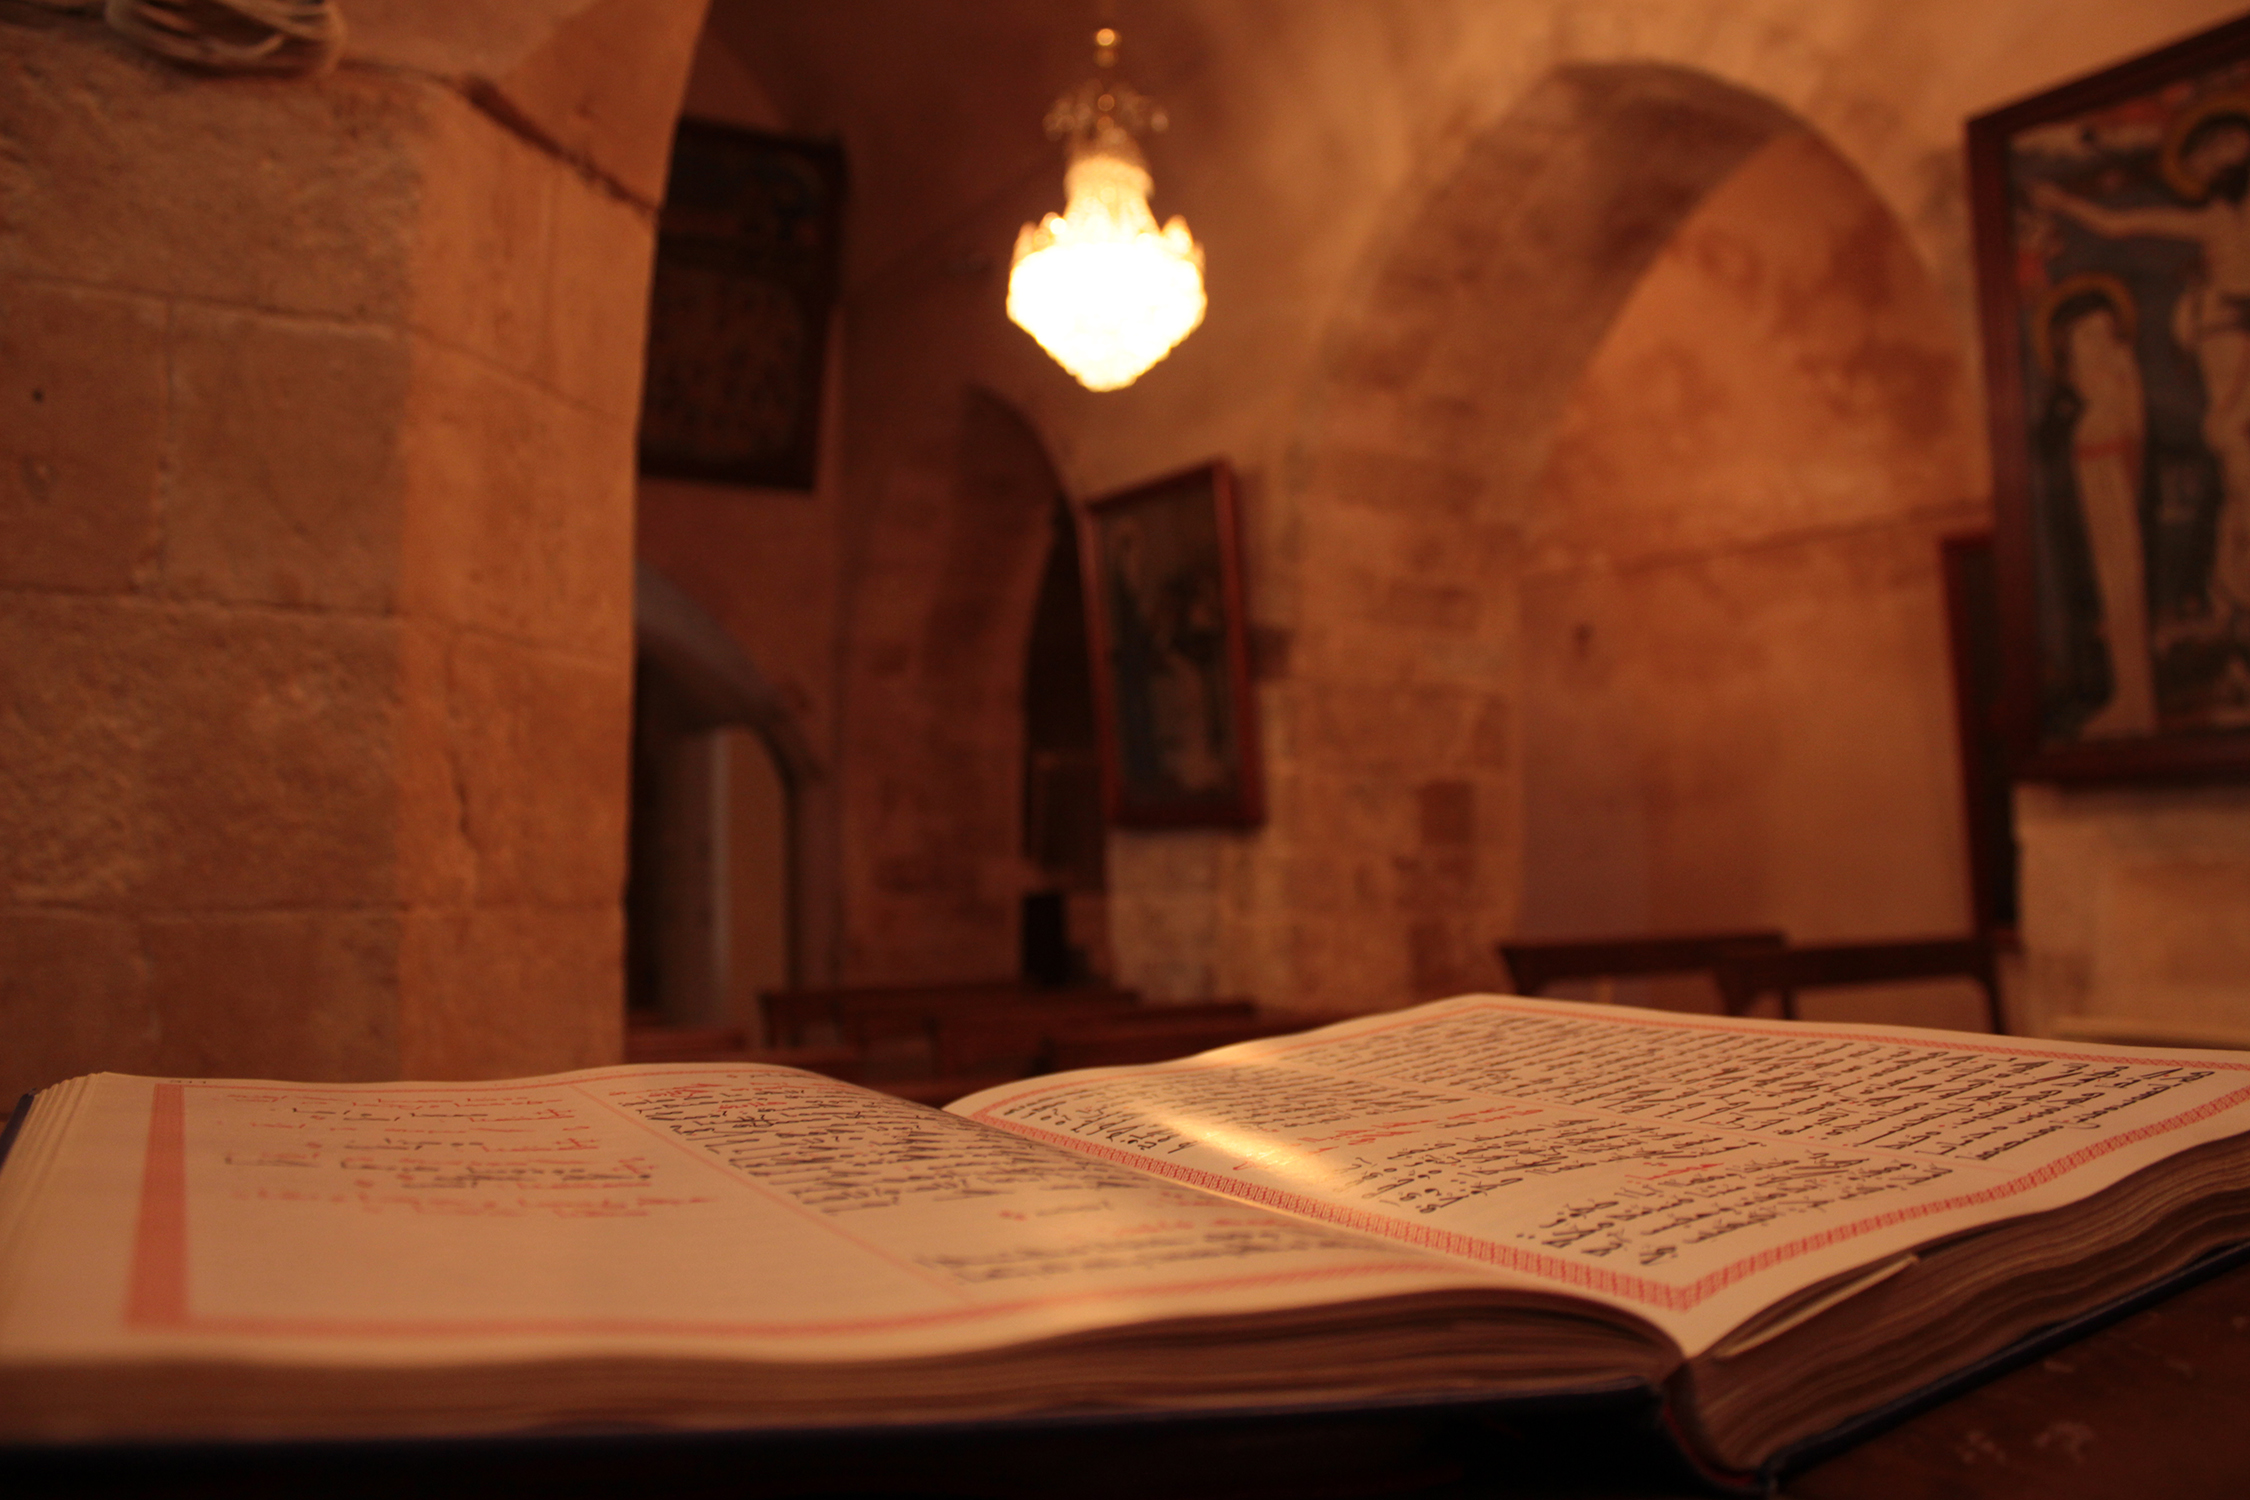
230 36
236 36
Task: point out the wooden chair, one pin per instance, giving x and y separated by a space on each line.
675 1044
1011 1040
1746 974
854 1015
863 1015
1534 966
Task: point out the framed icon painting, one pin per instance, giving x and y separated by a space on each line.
1171 660
2112 223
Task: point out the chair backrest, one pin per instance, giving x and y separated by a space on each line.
1746 974
1151 1038
1534 966
1012 1039
860 1015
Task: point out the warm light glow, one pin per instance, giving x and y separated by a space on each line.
1101 288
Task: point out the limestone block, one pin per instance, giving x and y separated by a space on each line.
119 171
522 259
1385 726
73 999
1432 883
519 508
74 684
499 992
291 994
606 86
1393 480
486 241
594 337
1349 966
283 471
1438 958
1410 604
2133 903
449 40
538 743
81 430
437 863
1447 812
1332 880
266 740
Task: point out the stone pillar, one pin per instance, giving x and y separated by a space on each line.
317 402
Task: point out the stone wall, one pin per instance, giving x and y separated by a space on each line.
316 413
765 563
1735 661
1416 251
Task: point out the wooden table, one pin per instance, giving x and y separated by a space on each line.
2157 1406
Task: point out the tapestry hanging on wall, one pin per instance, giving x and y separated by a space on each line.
2113 251
747 257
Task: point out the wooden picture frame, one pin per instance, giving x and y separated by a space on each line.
748 255
1169 639
2118 367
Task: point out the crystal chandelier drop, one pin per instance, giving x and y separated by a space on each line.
1101 288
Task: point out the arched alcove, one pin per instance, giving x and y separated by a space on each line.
1735 691
1411 534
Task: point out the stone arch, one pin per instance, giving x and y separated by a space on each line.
1409 507
692 678
1542 229
725 685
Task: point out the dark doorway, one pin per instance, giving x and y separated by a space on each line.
1063 833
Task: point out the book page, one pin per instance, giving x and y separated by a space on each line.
1693 1169
700 1209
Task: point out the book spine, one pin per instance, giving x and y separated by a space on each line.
1800 1456
16 1117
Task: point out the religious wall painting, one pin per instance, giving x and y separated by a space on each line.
2113 244
1170 646
747 259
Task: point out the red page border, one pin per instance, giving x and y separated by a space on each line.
157 1293
1647 1291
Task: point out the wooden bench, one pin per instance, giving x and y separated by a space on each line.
677 1044
1746 976
1150 1036
1532 966
858 1016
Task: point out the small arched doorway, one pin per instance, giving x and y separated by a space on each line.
715 873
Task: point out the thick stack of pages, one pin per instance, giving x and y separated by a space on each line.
1778 1225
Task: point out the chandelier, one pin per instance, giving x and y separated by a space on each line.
1101 288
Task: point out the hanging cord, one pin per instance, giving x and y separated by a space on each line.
235 36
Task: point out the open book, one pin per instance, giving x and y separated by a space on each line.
1778 1225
